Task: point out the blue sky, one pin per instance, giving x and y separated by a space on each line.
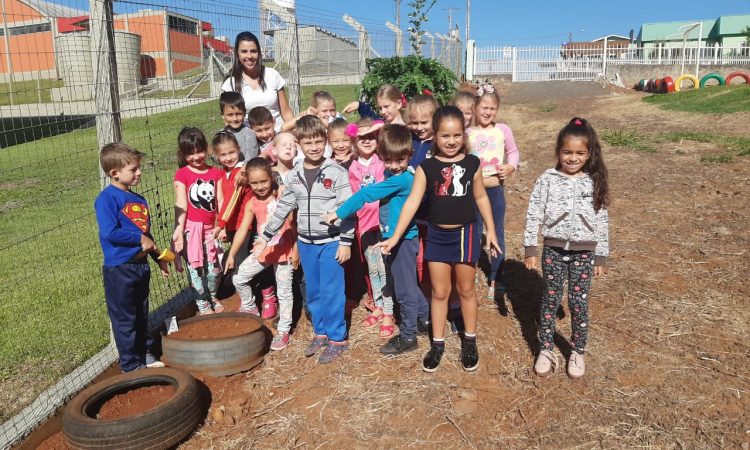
537 22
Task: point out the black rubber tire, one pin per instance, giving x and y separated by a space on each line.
221 356
159 428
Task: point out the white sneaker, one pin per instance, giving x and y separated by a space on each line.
546 363
152 362
576 365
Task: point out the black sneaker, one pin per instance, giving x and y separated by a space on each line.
397 345
469 354
424 327
432 358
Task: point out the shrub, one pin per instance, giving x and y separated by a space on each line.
411 74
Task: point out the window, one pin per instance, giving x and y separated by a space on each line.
29 29
183 25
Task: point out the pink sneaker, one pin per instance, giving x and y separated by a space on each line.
280 341
270 308
250 310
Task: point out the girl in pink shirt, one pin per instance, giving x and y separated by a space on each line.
367 169
195 216
494 145
278 253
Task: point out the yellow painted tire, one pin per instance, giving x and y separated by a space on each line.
678 82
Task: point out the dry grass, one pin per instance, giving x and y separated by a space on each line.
667 360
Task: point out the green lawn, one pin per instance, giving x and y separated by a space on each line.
709 100
27 91
52 314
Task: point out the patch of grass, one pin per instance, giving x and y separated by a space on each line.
547 108
627 139
733 145
717 100
717 158
24 92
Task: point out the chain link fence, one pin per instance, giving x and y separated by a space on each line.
171 58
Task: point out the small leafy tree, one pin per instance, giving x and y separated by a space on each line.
417 16
746 32
411 74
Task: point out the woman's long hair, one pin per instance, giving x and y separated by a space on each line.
237 70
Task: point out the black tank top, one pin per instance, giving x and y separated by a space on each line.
450 192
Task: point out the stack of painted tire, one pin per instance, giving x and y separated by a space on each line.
668 85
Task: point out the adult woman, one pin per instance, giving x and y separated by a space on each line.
259 85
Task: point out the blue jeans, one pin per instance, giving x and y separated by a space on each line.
326 299
126 289
402 278
497 204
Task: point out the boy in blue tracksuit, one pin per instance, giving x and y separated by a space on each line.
124 233
395 150
314 187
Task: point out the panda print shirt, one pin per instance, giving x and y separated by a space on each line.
200 192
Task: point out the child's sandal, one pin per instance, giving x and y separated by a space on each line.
373 318
386 331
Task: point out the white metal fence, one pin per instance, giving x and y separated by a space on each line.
581 61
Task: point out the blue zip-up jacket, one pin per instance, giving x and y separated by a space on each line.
123 217
329 190
421 151
392 193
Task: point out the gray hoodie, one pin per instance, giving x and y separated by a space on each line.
329 190
564 208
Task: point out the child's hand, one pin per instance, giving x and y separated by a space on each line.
147 245
504 170
178 241
311 111
386 246
223 236
530 262
241 179
164 266
294 258
258 247
329 218
343 254
600 270
493 248
351 107
229 264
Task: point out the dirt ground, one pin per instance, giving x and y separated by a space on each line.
667 363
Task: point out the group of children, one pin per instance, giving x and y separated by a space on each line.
414 188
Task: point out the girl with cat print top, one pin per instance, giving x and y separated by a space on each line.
452 182
195 216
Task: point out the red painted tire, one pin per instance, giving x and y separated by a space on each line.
733 75
668 83
657 86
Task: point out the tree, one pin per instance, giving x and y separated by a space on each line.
746 32
417 17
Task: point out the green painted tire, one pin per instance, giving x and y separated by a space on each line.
711 76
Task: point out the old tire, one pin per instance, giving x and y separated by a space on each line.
681 78
158 428
221 356
712 76
668 83
734 75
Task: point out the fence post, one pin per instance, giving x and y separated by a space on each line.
470 56
513 64
363 43
604 59
7 51
104 66
716 53
294 86
397 31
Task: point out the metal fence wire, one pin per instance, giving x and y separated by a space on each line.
171 58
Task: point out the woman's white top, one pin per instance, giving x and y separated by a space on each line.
258 97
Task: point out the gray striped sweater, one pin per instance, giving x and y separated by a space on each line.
329 190
564 209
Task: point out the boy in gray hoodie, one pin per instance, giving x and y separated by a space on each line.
317 186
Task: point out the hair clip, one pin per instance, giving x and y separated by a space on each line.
427 92
403 101
351 130
577 122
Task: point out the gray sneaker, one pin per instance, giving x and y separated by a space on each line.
152 362
333 352
317 343
576 365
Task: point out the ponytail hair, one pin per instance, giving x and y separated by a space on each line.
237 70
444 113
595 167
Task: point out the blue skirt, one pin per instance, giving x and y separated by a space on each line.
452 245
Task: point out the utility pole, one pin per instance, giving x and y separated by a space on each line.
468 19
398 14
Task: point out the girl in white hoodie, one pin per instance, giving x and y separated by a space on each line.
569 203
